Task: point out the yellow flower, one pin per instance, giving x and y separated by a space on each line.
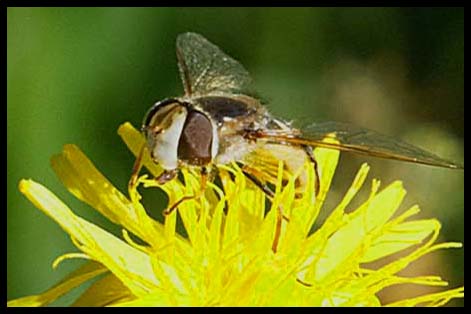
226 259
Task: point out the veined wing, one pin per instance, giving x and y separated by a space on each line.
359 140
204 68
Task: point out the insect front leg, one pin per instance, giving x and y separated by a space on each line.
135 170
204 179
166 176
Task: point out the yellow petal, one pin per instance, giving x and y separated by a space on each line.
342 246
107 290
130 265
433 299
327 160
84 273
154 300
83 180
399 237
382 206
317 242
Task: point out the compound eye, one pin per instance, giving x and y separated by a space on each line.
196 139
162 133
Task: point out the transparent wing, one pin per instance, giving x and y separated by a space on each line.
360 140
204 68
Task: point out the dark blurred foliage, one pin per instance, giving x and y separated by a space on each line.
75 74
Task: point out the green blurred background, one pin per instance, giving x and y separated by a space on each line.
75 74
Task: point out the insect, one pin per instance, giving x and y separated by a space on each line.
217 122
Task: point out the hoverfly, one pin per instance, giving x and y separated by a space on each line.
217 122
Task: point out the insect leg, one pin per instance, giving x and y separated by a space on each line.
167 175
248 172
136 169
310 154
265 188
204 180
